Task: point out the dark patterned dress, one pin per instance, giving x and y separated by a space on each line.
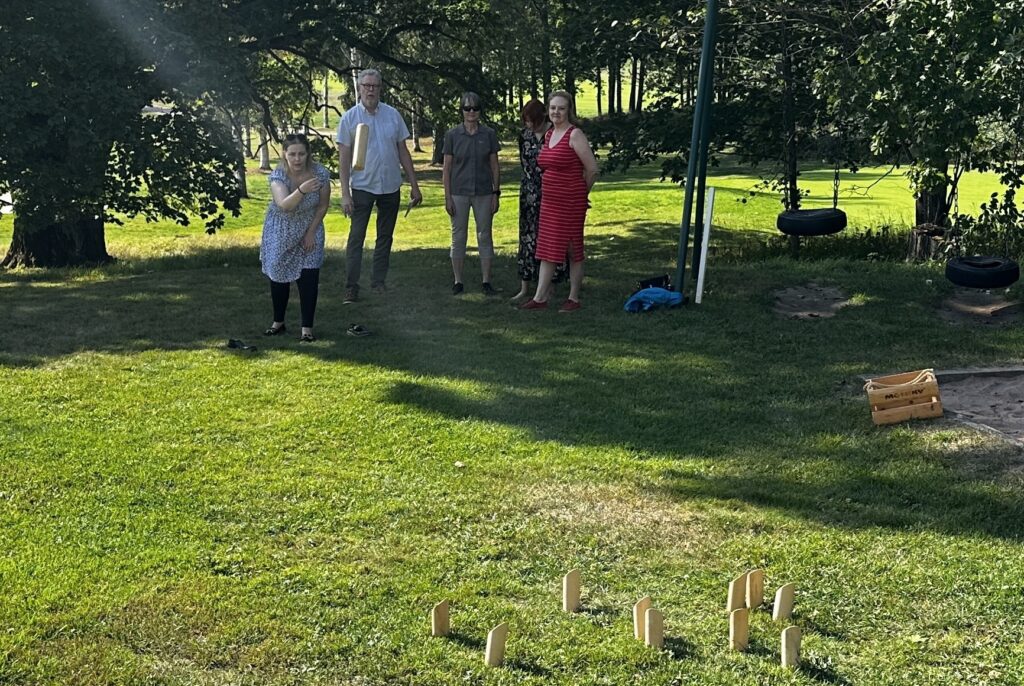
529 210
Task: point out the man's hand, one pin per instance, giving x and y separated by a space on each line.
494 203
415 197
449 207
346 205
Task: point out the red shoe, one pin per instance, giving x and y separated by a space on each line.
570 306
532 304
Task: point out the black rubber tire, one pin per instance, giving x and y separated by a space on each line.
982 271
811 222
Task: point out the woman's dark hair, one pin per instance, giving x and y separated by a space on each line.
533 113
292 139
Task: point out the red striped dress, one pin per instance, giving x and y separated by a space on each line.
563 201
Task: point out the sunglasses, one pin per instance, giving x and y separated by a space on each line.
470 108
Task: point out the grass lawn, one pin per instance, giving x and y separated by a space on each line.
173 512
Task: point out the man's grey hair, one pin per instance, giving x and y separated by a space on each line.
470 98
369 72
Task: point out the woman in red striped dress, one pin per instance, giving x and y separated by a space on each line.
570 171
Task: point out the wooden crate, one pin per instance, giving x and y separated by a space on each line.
899 397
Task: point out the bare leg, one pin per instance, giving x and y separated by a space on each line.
544 276
524 289
575 279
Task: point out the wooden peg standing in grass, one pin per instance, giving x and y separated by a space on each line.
571 591
739 629
495 654
791 647
755 588
737 593
439 624
654 628
783 608
639 617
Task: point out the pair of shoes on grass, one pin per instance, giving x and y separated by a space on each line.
278 330
458 288
568 306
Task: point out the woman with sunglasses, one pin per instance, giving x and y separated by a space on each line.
292 248
471 180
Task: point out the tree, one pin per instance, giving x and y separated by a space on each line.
76 146
931 78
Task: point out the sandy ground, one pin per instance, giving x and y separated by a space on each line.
996 402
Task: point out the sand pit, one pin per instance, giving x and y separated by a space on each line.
991 399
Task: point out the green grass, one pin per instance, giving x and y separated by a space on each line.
172 512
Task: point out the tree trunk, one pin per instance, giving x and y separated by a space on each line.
264 149
618 88
926 243
437 157
611 86
243 188
545 50
632 85
792 192
416 124
327 100
70 243
641 77
599 103
931 205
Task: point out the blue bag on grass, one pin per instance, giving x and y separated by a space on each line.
651 298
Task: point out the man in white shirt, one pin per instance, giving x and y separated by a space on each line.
378 183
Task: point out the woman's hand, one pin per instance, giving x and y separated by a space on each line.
310 186
309 240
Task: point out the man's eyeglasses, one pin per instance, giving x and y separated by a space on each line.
470 108
370 86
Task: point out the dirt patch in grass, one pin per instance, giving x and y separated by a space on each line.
622 514
970 306
809 302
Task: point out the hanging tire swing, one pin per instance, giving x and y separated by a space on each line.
982 271
819 222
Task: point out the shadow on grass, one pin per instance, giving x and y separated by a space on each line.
774 402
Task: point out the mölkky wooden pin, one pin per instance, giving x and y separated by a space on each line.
739 629
639 618
495 654
737 593
784 602
439 624
755 588
654 628
791 647
571 591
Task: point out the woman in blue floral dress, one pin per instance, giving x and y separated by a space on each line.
530 140
292 248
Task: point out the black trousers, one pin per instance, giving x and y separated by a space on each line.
309 288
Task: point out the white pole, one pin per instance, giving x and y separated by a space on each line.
709 210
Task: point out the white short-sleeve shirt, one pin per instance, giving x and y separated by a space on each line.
383 171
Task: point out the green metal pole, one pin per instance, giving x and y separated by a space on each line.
699 138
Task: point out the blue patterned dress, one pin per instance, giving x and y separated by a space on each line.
281 252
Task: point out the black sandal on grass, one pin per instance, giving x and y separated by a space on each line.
272 331
306 338
358 331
